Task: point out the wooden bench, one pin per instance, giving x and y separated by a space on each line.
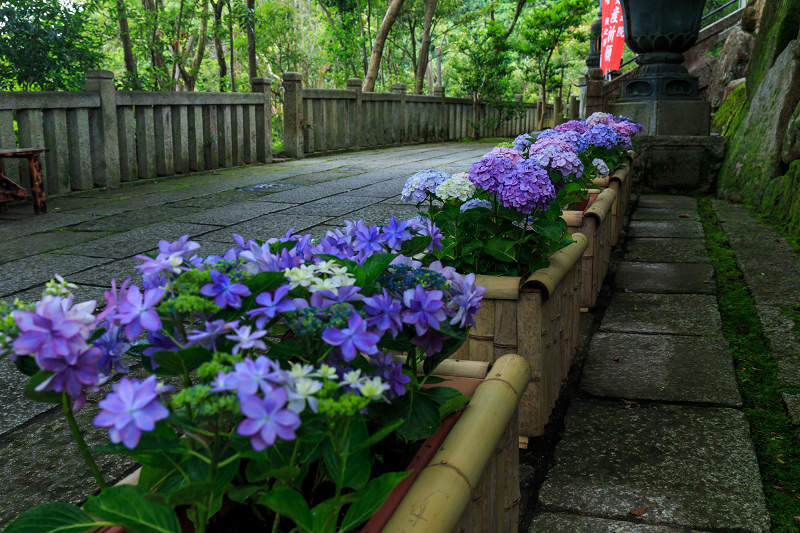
12 191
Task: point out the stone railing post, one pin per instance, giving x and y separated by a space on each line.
293 114
540 113
558 111
354 84
400 88
104 136
594 91
574 108
440 135
263 120
517 125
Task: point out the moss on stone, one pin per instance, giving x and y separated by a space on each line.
731 113
780 24
781 201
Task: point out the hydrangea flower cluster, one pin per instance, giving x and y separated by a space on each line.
476 203
511 154
578 126
602 135
522 143
600 166
424 181
490 172
599 118
528 188
565 162
457 186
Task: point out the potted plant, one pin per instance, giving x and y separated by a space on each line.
283 349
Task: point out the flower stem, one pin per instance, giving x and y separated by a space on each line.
82 447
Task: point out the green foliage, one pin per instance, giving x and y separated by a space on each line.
731 113
46 44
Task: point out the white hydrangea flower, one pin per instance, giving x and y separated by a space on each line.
303 391
325 372
320 284
456 187
373 388
300 276
600 165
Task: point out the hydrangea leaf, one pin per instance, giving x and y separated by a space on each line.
52 518
369 499
126 506
41 396
289 503
415 245
501 249
181 362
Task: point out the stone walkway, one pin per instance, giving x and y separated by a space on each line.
656 442
92 237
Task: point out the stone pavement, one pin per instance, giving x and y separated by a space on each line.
655 441
91 237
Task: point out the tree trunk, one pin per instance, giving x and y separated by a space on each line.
127 48
190 76
223 67
475 130
230 31
252 66
520 5
156 48
422 63
380 42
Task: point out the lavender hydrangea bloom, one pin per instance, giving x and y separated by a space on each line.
76 375
602 135
436 235
137 313
47 331
546 134
565 162
251 375
395 233
557 141
421 183
578 126
509 153
490 172
465 300
181 247
431 342
522 142
207 337
367 239
624 142
225 293
132 407
425 309
246 339
576 140
627 128
477 202
354 337
383 313
267 419
112 346
528 188
600 165
391 372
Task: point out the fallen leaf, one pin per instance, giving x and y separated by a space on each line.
683 215
638 512
778 458
615 358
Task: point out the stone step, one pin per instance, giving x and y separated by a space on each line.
674 314
676 229
654 250
666 201
665 278
668 368
691 467
570 523
648 213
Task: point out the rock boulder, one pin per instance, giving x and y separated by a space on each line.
731 64
791 141
754 155
751 18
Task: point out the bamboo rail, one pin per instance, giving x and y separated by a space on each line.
620 181
472 483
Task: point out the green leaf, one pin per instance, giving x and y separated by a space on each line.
323 518
501 249
27 365
369 499
441 395
375 265
241 493
415 245
258 471
291 504
351 467
191 493
182 362
379 435
126 506
52 518
41 396
421 415
452 405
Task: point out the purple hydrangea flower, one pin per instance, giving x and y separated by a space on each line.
354 337
367 239
575 139
602 135
436 234
224 293
395 233
137 313
207 337
420 184
391 373
112 346
344 294
578 126
565 162
158 341
490 172
528 188
546 134
465 300
132 407
246 339
271 305
383 313
76 375
425 309
181 247
431 342
509 153
267 419
251 375
629 129
47 331
559 142
599 118
522 142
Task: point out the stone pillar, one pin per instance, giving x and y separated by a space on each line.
103 123
540 112
594 91
263 120
354 84
558 111
293 114
574 108
441 121
400 88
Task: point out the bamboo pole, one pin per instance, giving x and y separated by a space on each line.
454 367
499 287
443 491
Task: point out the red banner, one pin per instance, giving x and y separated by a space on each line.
613 37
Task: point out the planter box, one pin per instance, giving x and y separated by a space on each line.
466 476
537 318
594 222
620 181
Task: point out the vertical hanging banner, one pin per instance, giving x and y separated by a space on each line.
613 36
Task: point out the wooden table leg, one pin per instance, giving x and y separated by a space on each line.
37 184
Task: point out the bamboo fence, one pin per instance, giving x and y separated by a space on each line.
620 181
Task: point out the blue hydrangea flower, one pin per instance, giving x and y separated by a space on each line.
225 293
490 172
565 162
528 188
424 309
546 133
477 202
132 408
383 313
602 135
522 142
420 184
267 419
391 372
353 338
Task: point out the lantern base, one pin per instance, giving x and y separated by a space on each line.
667 117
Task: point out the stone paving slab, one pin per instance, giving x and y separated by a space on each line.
32 271
667 251
662 229
135 241
233 214
666 201
379 214
49 241
134 219
644 213
333 206
792 402
29 226
784 343
267 226
570 523
16 408
666 278
672 314
692 467
668 368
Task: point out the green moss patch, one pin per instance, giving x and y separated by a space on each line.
780 23
731 113
776 440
